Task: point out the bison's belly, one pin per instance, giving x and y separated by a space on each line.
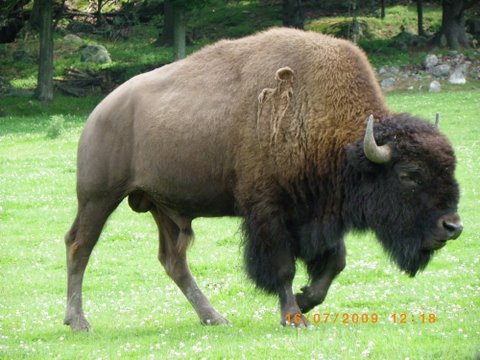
199 206
202 203
188 188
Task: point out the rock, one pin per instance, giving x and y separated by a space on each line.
382 70
440 70
73 40
97 54
430 61
434 86
388 70
387 83
458 76
405 39
394 70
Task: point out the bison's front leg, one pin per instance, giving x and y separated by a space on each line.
270 263
322 270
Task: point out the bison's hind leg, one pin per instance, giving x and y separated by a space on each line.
175 236
79 242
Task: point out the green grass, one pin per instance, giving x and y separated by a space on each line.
136 310
28 106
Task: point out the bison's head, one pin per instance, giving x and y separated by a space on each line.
404 189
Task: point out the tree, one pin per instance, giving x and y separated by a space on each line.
179 31
382 9
421 32
293 15
452 32
166 37
177 10
44 90
34 19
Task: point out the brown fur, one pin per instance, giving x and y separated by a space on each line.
329 98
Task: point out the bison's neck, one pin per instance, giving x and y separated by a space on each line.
326 200
355 197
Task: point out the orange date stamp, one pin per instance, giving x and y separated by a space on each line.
361 318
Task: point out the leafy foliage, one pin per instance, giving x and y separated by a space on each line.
55 127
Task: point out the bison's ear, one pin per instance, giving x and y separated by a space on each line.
284 74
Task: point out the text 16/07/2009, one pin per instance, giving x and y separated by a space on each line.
364 318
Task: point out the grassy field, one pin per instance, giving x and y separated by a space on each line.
137 312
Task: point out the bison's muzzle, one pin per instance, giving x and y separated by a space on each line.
449 227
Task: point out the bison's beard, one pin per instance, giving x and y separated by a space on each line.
407 253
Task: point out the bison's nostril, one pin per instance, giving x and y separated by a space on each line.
454 229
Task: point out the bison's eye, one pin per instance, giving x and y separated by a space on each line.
409 179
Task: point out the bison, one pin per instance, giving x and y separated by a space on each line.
285 128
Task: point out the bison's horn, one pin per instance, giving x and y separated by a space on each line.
373 152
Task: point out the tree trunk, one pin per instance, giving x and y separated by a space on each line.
382 9
421 32
44 90
179 32
98 13
452 33
35 16
166 38
293 14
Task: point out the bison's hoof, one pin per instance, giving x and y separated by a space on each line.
307 299
304 302
294 319
78 323
215 320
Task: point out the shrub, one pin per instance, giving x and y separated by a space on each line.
55 127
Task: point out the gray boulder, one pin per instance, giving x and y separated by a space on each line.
73 41
431 60
97 54
458 76
434 86
440 70
387 83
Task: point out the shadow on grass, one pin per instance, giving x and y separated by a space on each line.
26 115
21 106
